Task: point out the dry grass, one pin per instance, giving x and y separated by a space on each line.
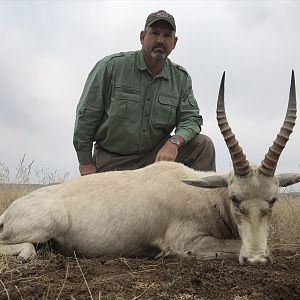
7 196
285 228
24 181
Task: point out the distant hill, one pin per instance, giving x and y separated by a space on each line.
29 187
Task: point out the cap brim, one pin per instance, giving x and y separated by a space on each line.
162 19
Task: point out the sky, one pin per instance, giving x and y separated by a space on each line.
49 47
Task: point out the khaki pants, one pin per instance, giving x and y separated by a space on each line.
199 154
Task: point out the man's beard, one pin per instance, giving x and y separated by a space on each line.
158 55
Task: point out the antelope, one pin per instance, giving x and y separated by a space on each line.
161 210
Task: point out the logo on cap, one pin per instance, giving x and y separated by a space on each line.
162 13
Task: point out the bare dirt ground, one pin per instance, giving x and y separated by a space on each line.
52 276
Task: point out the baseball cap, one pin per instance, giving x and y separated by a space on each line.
160 15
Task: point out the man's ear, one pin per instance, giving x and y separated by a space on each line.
175 42
142 36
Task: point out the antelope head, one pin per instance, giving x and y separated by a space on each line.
253 190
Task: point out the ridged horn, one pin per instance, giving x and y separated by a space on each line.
269 164
240 163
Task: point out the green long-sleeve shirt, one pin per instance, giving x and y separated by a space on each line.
127 111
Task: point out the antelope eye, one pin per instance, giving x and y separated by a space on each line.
244 211
235 200
265 212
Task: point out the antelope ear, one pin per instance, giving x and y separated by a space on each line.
286 179
211 182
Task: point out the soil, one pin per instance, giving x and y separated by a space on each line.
52 276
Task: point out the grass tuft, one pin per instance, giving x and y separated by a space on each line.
285 227
24 181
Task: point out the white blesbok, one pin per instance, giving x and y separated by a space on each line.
160 210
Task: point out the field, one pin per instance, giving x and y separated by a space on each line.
52 276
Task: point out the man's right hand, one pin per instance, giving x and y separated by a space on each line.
87 169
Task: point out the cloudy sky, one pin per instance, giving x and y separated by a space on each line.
48 48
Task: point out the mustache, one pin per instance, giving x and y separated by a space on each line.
159 46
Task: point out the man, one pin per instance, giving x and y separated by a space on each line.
131 103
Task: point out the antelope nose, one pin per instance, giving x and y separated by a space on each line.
256 260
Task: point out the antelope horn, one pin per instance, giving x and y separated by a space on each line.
268 165
240 163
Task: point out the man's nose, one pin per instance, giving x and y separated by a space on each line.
161 39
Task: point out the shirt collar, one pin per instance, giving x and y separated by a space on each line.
165 72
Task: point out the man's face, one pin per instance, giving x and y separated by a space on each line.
158 41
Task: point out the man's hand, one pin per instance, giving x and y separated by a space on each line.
167 152
87 169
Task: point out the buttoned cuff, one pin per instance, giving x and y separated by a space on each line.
187 135
84 158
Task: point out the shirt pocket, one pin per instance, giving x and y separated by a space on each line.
165 111
125 105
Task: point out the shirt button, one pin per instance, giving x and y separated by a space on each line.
146 115
144 130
